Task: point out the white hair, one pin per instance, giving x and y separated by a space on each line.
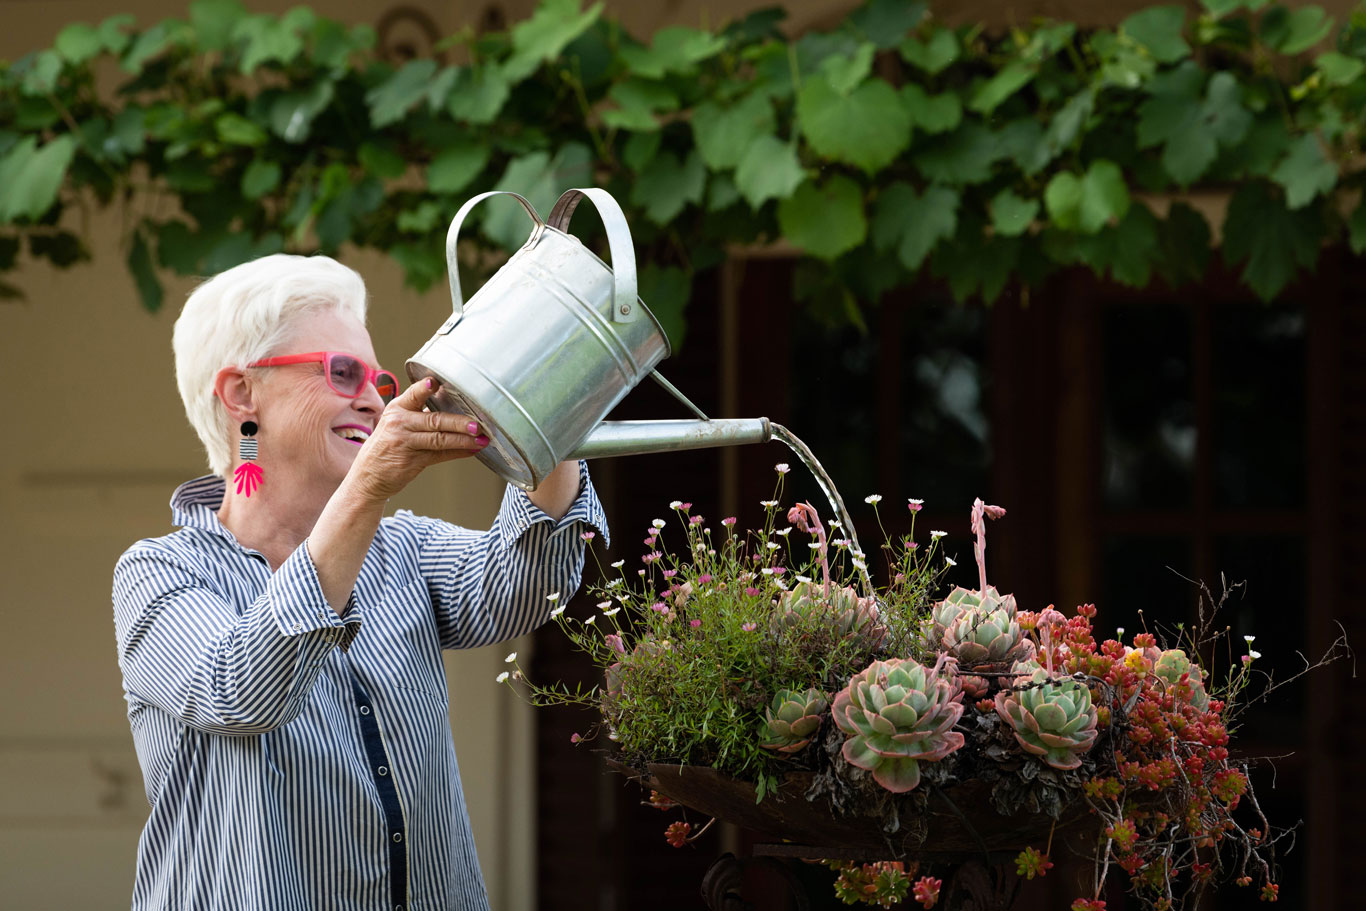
240 316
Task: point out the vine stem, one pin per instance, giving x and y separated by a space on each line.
576 84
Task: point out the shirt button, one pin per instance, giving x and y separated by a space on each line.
398 836
365 710
382 770
298 627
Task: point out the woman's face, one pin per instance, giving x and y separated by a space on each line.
308 430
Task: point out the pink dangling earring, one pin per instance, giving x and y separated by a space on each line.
248 475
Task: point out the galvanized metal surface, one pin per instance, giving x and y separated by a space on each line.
619 438
550 344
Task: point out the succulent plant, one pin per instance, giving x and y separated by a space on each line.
792 719
849 614
946 613
974 687
1172 665
1053 718
899 713
978 636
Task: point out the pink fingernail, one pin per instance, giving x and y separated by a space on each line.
431 384
481 440
471 427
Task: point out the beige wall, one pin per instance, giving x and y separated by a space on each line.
90 470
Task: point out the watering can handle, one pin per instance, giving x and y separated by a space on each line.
624 292
453 235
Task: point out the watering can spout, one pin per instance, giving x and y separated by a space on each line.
621 438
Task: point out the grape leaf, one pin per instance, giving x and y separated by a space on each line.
455 166
391 100
824 220
542 37
1159 30
867 128
964 156
998 88
1305 172
260 177
1271 241
931 113
666 185
768 169
1089 202
1191 130
722 134
31 176
934 54
934 216
1011 215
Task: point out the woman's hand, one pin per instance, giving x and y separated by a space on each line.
408 439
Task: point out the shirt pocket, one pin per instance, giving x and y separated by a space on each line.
398 644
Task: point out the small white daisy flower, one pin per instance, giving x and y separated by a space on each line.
814 545
768 504
658 523
512 656
770 545
675 504
1254 653
781 468
860 565
873 498
805 579
557 611
951 561
784 531
553 597
603 604
938 534
767 570
916 502
619 564
611 613
590 620
503 677
1249 639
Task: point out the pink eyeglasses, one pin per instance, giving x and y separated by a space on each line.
346 374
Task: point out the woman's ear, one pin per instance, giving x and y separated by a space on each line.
234 389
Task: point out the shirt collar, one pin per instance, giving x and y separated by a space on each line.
195 504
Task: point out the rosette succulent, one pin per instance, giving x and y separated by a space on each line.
843 609
961 600
792 719
1172 665
897 714
1053 718
978 628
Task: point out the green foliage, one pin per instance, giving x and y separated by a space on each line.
966 154
706 659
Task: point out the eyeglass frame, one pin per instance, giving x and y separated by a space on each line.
325 358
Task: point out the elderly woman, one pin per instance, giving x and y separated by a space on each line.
281 652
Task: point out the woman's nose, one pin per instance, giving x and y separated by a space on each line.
369 399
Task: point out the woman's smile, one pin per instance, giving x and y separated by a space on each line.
353 433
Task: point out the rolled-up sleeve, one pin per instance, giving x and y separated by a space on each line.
491 586
184 648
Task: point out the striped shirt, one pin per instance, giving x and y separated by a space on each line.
295 759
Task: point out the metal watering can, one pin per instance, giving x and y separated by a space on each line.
551 343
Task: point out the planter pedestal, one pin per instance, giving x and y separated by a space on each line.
964 833
978 884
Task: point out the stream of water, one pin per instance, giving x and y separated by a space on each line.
813 465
